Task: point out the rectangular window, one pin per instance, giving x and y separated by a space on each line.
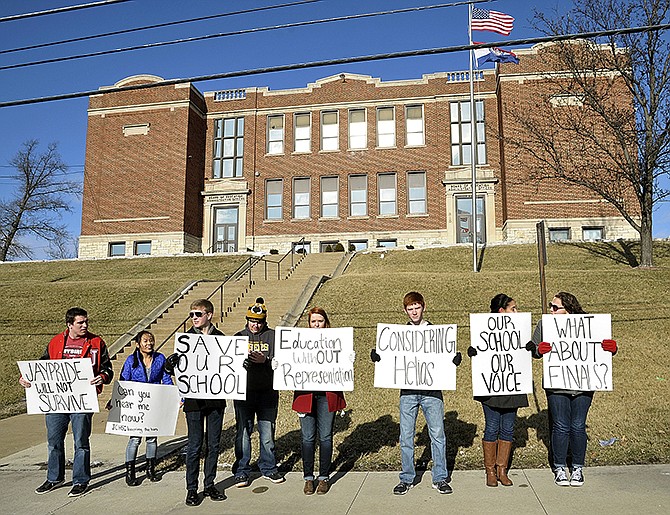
117 249
592 233
414 120
302 247
416 193
276 134
461 133
386 183
387 244
329 197
228 147
273 199
358 245
559 234
358 129
301 197
358 195
330 131
385 127
303 132
142 248
327 246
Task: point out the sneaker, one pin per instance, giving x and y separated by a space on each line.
561 478
78 490
577 477
442 487
402 488
241 481
322 487
47 486
275 477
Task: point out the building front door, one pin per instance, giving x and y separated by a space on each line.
464 217
226 222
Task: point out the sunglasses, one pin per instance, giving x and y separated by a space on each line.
196 314
554 307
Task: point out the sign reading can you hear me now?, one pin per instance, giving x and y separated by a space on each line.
59 386
417 357
502 365
314 359
577 360
143 409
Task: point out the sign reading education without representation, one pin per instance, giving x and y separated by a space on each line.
314 359
577 360
59 386
417 357
211 367
502 365
143 409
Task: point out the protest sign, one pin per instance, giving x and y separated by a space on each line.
143 409
577 360
417 357
502 365
59 386
211 367
314 359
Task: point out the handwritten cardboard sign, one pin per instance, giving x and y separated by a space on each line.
211 367
577 360
143 409
502 365
314 359
59 386
417 357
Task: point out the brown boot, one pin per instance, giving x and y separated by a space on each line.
490 462
502 461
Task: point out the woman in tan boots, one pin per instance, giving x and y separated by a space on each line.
499 415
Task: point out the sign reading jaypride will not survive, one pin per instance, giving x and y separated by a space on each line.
314 359
59 386
577 360
143 409
211 367
417 357
502 365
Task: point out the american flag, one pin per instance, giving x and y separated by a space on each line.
493 21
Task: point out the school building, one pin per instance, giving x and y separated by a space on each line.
348 159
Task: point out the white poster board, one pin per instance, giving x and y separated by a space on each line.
577 360
502 365
314 359
211 367
59 386
143 409
416 357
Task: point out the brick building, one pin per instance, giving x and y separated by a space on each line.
349 159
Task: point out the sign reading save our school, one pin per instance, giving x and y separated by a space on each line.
417 357
143 409
577 360
502 365
314 359
59 386
211 367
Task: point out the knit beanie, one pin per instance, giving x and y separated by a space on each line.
257 311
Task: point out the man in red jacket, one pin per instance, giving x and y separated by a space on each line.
75 342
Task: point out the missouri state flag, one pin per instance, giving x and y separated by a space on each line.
495 55
494 21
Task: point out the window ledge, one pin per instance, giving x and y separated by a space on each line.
359 217
388 216
387 148
273 220
416 215
267 154
328 218
309 219
329 151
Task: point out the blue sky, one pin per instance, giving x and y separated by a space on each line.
65 121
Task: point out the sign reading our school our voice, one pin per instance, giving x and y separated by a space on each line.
314 359
211 367
502 365
417 357
59 386
143 409
577 360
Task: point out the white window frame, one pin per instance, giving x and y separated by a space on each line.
383 195
330 195
358 130
275 208
275 134
302 136
461 133
228 160
330 132
301 199
415 135
386 128
357 202
417 201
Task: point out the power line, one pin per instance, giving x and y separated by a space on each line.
61 10
235 33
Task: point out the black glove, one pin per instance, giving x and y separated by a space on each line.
171 363
530 346
457 359
472 352
246 364
374 356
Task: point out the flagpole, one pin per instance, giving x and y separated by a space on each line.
473 148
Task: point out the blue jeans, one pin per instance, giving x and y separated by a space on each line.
57 424
322 419
433 411
195 422
266 415
499 423
569 413
134 443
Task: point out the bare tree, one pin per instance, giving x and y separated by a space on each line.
34 208
612 134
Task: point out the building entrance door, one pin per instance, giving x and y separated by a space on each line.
226 222
464 217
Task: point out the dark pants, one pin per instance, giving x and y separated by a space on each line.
499 423
195 421
568 414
